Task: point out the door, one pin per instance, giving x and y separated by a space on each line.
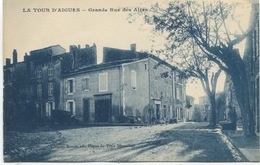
103 108
158 111
86 110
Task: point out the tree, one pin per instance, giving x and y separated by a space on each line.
194 64
207 24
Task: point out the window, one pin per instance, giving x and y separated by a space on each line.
133 79
178 93
50 70
103 82
85 84
164 111
145 66
165 91
155 85
39 90
7 76
39 71
178 80
70 86
49 107
256 42
50 89
70 106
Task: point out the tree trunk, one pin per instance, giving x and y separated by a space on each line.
241 86
212 101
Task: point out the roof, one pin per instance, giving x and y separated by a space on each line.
49 47
95 67
115 57
113 54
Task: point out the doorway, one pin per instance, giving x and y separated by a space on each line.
86 110
158 111
103 108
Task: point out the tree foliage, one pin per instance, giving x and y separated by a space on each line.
208 25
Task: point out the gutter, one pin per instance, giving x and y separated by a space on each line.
244 158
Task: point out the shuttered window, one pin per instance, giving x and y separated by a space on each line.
103 83
71 106
85 83
70 86
50 89
50 69
39 90
133 79
49 107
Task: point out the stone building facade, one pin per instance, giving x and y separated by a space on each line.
128 86
190 116
139 88
32 87
221 107
251 59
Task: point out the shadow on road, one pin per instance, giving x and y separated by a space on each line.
183 143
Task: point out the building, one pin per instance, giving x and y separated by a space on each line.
251 59
128 86
221 108
18 92
230 100
32 87
189 108
197 113
205 108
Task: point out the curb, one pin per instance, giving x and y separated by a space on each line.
245 159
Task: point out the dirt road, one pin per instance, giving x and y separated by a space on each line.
173 142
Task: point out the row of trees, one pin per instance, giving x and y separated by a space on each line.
199 35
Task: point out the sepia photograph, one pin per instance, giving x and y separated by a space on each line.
131 81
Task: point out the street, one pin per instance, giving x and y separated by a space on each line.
182 142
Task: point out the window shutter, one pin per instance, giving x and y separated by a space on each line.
53 89
83 84
74 84
66 86
87 83
74 108
133 78
46 109
53 105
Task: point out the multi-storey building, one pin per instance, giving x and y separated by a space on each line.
221 108
189 108
205 108
32 87
127 86
231 104
251 59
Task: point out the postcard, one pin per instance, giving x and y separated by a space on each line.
130 81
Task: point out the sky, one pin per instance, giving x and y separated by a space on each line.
26 31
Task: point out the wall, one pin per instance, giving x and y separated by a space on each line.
80 94
136 100
161 90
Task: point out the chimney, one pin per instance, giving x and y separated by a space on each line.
133 47
78 46
71 47
14 56
74 52
87 46
8 61
25 57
